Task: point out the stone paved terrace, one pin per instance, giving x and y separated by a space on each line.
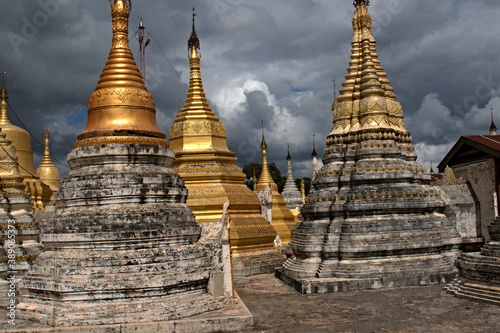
279 308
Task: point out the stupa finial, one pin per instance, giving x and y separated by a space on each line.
196 102
265 176
263 144
493 127
46 152
3 91
314 153
194 41
4 96
359 3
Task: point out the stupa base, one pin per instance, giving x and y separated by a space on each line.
247 263
333 285
234 318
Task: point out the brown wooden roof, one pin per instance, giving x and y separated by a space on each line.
472 148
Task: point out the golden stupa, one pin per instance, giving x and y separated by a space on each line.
47 171
281 217
212 177
121 110
40 193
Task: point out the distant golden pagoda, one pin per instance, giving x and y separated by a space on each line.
40 193
47 171
212 177
281 217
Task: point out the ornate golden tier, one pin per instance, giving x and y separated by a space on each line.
212 177
121 104
367 100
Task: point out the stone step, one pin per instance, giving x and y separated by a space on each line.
479 260
491 249
478 292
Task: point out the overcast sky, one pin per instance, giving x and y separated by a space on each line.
271 60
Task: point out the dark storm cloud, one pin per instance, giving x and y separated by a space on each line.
261 60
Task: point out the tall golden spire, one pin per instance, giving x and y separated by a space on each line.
196 102
196 128
46 152
265 178
366 99
121 110
4 96
47 171
211 175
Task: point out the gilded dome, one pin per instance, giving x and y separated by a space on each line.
20 138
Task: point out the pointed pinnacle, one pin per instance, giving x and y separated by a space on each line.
4 95
263 145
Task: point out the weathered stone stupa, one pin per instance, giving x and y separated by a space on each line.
281 218
212 177
20 235
290 192
121 245
372 219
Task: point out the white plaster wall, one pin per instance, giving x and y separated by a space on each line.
481 176
461 208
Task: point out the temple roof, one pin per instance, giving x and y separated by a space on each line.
471 148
